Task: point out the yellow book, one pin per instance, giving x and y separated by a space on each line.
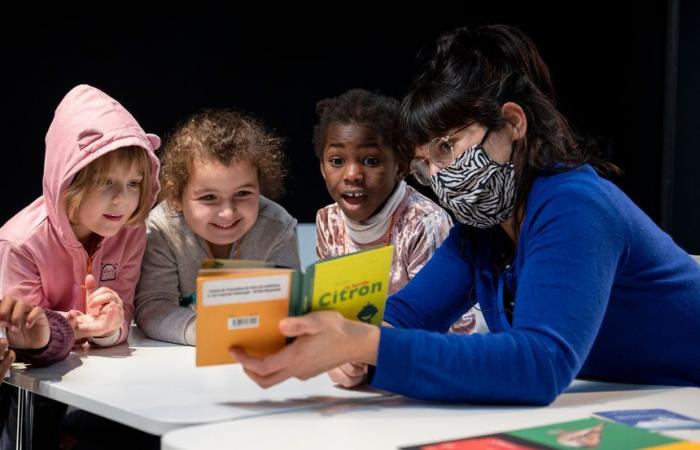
240 303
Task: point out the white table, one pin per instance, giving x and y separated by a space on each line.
155 387
394 422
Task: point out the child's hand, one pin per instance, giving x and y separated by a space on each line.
96 298
89 325
104 312
349 374
27 325
7 357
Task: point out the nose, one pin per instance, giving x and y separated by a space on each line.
354 173
120 194
227 211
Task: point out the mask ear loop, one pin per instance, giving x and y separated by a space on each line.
512 150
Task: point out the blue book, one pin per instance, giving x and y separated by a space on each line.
651 419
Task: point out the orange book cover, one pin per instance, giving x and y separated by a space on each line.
240 303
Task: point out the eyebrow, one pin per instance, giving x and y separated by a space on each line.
370 144
203 190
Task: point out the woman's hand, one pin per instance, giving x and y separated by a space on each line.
352 373
324 340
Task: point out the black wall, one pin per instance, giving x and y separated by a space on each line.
608 66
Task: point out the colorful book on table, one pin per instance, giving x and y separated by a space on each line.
240 303
589 433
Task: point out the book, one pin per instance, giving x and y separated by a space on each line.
240 303
591 433
651 419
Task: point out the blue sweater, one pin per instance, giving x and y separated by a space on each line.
600 292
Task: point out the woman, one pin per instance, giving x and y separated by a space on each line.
573 279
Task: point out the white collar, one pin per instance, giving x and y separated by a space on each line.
375 226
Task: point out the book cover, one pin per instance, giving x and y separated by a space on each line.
651 419
591 433
240 303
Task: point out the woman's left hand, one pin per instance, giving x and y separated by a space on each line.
324 340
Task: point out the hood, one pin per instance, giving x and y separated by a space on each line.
87 124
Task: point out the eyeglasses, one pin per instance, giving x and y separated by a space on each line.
440 152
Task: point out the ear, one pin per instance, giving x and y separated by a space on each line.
323 172
402 171
516 120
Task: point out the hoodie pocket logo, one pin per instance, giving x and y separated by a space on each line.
108 272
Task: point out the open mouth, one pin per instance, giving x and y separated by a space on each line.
354 198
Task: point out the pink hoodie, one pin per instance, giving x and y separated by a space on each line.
41 260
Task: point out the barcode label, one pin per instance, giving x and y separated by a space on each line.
238 323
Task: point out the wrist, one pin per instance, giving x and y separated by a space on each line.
363 342
106 340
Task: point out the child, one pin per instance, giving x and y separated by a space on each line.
78 247
364 175
216 167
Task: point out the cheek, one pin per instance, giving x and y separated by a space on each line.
196 214
89 208
381 180
249 209
332 177
134 198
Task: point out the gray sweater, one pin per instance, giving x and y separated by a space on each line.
174 254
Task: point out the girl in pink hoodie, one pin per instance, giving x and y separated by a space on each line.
78 247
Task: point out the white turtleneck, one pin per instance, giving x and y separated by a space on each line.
374 227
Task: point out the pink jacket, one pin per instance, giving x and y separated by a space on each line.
41 260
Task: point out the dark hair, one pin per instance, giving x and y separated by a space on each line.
467 76
360 107
224 136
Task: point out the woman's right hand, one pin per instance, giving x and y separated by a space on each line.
349 374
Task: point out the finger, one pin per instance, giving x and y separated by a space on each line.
343 379
8 358
297 326
6 308
106 290
35 314
269 380
90 324
74 313
98 300
354 369
90 285
114 317
4 346
260 366
19 315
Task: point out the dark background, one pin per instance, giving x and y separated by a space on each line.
627 75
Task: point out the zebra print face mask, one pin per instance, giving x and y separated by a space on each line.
479 191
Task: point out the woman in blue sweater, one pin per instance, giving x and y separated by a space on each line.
572 277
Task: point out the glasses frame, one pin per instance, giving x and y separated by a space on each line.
420 166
